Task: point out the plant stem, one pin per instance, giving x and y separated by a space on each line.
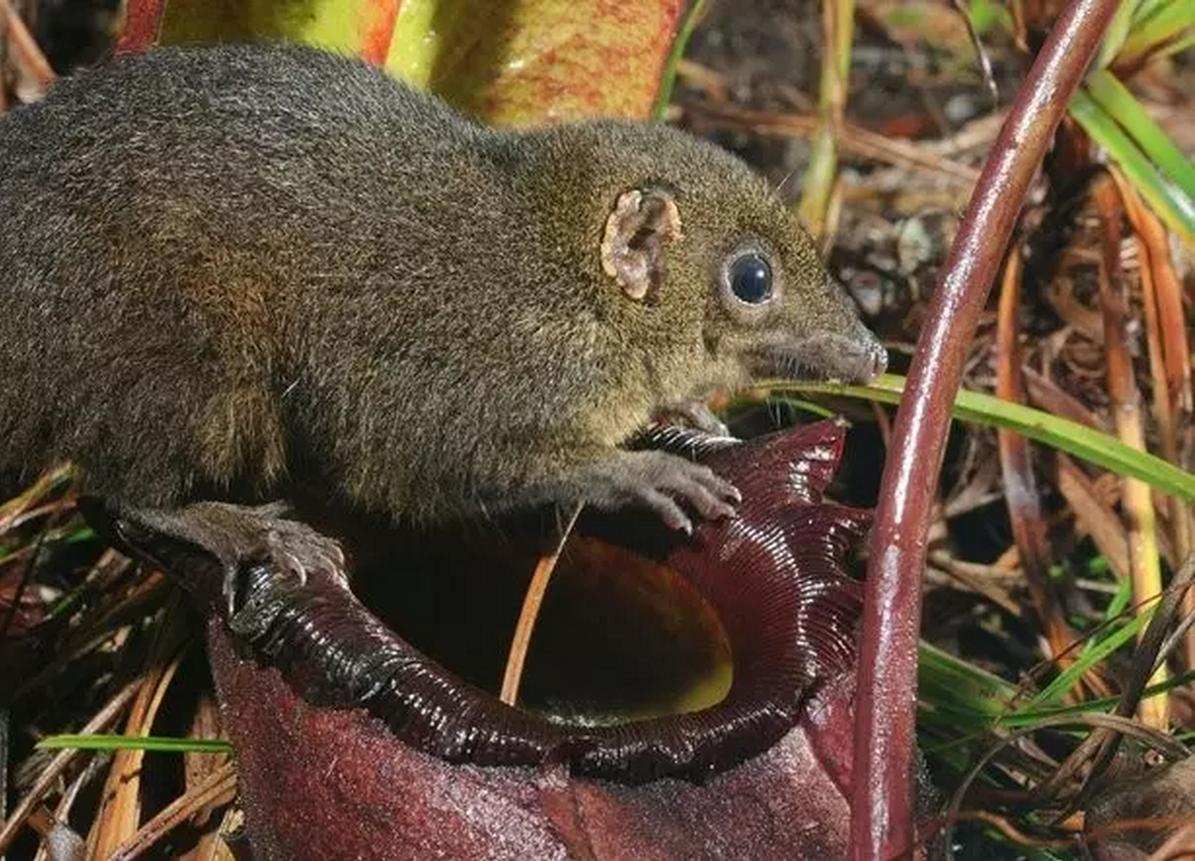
1144 563
881 792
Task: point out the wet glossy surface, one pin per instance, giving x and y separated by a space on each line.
773 575
352 744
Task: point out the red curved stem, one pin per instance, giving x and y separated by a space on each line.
881 820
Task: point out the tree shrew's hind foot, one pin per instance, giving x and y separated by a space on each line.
210 547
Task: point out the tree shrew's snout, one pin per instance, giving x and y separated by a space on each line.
855 358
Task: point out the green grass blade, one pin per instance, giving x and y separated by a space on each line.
1065 680
1081 441
161 744
1114 97
1120 601
1029 715
1148 7
668 78
1163 23
1116 34
1167 200
947 683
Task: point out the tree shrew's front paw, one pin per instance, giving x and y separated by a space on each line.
660 482
692 413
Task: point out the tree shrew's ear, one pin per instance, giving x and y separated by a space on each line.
640 225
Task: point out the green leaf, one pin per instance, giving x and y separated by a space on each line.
510 62
125 742
1168 200
1081 441
1120 601
346 26
1114 97
520 62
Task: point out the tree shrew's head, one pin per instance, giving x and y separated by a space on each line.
688 234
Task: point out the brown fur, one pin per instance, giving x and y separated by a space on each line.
229 271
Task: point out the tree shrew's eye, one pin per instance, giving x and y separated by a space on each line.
751 279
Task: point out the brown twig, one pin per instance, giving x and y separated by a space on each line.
50 774
10 613
1092 515
120 808
975 134
1009 830
1048 395
1034 676
1145 657
858 141
1179 847
972 577
1103 723
21 503
198 766
1169 362
1161 403
1180 632
146 595
217 788
881 794
532 601
710 82
1100 746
